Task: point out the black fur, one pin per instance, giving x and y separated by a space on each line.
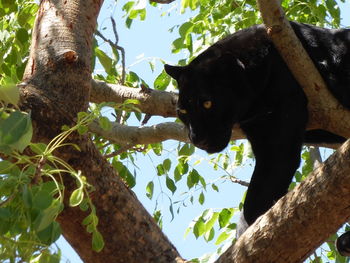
247 82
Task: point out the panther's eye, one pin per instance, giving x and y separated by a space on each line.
182 111
207 104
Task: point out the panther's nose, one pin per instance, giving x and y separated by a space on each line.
197 140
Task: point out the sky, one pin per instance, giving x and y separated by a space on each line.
151 40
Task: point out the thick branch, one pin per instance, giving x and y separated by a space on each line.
299 222
153 102
324 110
122 134
55 88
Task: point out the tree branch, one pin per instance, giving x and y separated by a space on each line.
55 88
296 225
324 110
152 102
162 1
132 135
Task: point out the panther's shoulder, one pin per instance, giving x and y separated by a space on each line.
245 40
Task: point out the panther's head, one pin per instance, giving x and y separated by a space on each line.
213 95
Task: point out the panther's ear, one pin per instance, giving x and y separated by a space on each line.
173 71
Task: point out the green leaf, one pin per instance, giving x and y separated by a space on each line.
157 148
5 213
192 178
186 150
5 166
27 196
84 205
215 188
209 235
105 60
97 241
160 170
22 35
170 184
125 174
38 148
224 217
167 164
210 223
42 200
132 101
46 217
16 131
128 6
9 94
185 29
47 257
199 227
201 198
50 234
177 172
222 237
105 123
82 129
76 197
162 81
149 189
89 219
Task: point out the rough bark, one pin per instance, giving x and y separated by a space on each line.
55 88
299 222
152 102
324 110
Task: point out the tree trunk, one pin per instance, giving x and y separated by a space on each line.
55 88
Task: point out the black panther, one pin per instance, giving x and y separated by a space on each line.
243 80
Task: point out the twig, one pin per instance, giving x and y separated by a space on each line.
120 151
162 1
114 45
146 119
238 181
315 156
9 199
122 50
124 149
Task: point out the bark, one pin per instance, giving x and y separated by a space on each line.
152 102
300 221
55 88
324 110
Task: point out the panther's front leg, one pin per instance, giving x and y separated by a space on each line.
276 141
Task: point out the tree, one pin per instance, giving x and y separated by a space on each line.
66 166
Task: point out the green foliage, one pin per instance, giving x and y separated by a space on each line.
32 188
16 22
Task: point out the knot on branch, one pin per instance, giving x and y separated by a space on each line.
275 29
70 56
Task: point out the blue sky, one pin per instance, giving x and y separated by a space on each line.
144 41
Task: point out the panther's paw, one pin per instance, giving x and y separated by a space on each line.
343 244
